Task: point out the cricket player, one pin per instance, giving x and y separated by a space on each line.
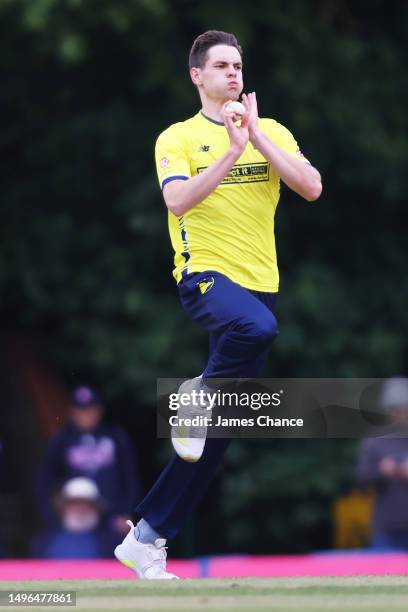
220 175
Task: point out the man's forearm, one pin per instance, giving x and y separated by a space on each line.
180 196
296 174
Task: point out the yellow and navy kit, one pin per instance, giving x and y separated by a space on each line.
232 230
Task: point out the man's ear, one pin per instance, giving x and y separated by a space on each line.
195 74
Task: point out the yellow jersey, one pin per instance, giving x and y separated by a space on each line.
232 230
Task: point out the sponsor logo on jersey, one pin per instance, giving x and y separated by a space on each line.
245 173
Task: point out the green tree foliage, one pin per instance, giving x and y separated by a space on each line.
281 491
87 85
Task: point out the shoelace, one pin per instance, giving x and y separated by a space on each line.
157 554
158 557
162 556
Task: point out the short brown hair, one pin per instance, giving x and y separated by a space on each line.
204 42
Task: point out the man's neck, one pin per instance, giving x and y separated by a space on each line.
212 109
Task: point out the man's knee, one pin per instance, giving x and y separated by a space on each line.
263 330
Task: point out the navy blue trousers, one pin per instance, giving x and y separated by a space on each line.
242 326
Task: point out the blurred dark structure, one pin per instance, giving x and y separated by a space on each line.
86 88
34 404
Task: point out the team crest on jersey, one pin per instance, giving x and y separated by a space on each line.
164 162
204 148
206 284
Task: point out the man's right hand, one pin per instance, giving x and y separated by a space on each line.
181 195
238 135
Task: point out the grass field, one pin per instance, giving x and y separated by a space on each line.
244 595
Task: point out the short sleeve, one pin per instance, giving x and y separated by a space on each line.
284 139
172 161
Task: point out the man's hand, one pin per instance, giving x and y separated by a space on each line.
181 195
238 135
251 107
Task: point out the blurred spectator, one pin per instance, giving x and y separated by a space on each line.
383 464
81 533
87 447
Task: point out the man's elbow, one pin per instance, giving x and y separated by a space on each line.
313 191
173 199
175 207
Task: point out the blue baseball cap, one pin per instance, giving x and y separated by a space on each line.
82 397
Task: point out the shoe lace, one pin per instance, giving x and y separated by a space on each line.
158 555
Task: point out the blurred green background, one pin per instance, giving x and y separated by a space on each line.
85 263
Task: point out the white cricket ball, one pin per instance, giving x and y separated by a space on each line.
235 107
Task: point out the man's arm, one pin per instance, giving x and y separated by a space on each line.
181 195
299 176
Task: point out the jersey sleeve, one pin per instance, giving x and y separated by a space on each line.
172 160
284 139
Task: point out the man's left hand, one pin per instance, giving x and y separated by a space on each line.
251 107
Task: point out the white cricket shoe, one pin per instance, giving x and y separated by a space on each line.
147 560
189 440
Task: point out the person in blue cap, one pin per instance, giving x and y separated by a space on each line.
88 447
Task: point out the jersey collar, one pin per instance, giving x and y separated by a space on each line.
212 120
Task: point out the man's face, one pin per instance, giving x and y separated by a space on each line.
221 78
87 418
79 515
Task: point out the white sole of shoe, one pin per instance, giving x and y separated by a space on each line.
184 452
121 557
